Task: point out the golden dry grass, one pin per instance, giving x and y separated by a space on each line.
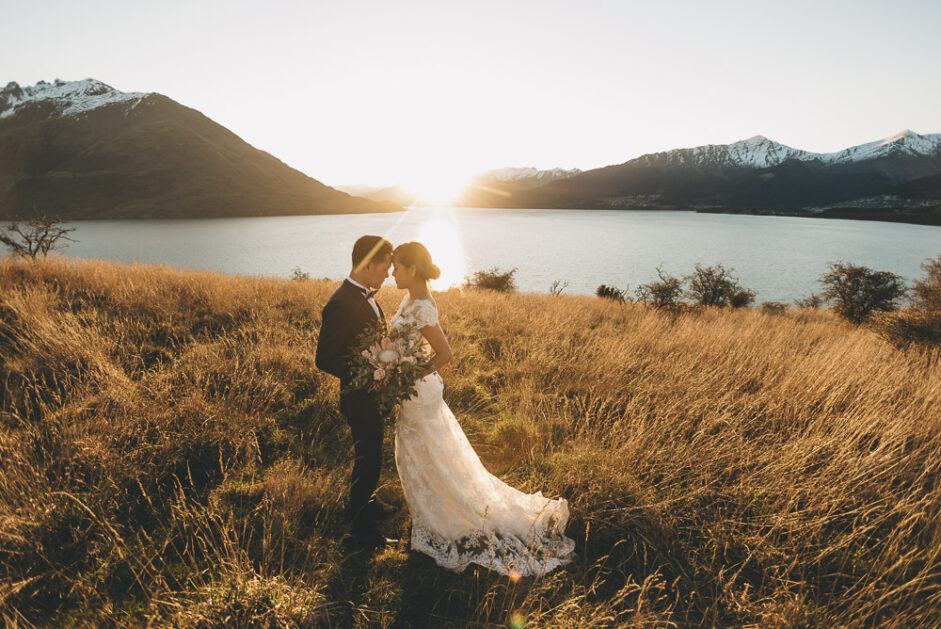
170 456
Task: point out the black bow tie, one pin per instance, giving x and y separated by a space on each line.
369 294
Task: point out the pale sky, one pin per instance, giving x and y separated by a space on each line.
429 92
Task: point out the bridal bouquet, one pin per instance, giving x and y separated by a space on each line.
388 365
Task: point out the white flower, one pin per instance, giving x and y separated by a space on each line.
379 374
389 356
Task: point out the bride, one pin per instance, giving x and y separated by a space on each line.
460 512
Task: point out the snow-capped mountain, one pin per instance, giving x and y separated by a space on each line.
69 98
83 149
760 152
86 150
529 173
752 173
906 142
755 152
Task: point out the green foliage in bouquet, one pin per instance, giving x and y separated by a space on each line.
388 365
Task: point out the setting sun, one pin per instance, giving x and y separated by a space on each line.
438 187
442 238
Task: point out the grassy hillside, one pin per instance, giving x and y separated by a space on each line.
170 456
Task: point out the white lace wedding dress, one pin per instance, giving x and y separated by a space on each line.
461 513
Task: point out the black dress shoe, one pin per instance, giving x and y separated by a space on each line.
349 543
382 511
378 540
374 539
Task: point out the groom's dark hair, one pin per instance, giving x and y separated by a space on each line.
369 248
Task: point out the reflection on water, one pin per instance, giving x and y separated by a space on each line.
779 257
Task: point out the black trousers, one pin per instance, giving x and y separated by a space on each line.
366 426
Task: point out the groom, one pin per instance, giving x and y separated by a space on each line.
347 314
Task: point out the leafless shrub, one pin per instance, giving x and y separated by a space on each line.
663 293
741 298
612 292
37 236
926 293
773 307
813 301
557 286
493 279
921 323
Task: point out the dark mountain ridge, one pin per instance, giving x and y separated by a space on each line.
84 150
756 173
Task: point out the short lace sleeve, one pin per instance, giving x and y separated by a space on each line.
425 313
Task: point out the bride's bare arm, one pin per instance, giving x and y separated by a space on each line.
442 351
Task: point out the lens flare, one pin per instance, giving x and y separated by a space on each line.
442 238
441 187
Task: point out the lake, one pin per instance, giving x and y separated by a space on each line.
779 257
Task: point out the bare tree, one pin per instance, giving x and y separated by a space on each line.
557 286
36 236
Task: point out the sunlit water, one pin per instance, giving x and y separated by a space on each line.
779 257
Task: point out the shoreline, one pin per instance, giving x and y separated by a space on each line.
926 216
918 216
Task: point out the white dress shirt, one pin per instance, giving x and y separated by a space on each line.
371 300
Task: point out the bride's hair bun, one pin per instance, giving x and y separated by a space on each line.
415 254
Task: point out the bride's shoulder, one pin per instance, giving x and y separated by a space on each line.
426 310
427 302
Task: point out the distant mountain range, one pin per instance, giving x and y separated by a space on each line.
398 194
526 177
502 179
496 187
85 150
902 172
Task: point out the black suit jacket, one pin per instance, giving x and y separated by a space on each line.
344 318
